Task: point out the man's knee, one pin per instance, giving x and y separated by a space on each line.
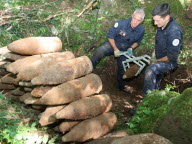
100 52
98 55
148 73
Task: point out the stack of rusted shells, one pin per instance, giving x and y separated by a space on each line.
61 86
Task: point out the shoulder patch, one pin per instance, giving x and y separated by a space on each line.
175 42
116 25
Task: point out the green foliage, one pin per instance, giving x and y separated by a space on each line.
177 7
24 23
29 18
181 108
151 109
80 33
13 3
77 34
148 42
185 56
13 130
176 123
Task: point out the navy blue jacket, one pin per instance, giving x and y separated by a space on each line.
124 35
169 42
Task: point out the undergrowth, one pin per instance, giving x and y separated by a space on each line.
14 129
151 109
78 34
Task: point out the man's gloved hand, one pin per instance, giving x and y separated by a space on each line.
117 53
130 51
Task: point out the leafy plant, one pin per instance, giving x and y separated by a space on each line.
14 131
151 109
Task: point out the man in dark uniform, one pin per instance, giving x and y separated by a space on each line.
125 35
168 44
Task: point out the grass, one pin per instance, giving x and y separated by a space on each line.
19 125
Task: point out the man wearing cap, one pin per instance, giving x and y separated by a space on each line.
125 35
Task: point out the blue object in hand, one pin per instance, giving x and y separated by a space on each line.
130 52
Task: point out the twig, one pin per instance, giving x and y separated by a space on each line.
184 80
52 16
11 21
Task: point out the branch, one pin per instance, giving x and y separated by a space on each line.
10 21
52 16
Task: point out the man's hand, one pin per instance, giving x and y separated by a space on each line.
164 59
117 53
130 51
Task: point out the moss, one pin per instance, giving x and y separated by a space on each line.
181 108
166 113
176 124
152 108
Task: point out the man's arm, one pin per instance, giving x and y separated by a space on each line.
165 59
134 45
112 42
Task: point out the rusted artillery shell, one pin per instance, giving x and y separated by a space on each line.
25 96
21 64
30 100
17 92
67 126
38 107
28 89
146 138
6 86
40 91
86 108
108 138
13 56
2 64
72 90
91 128
9 79
48 116
42 64
130 72
64 71
36 45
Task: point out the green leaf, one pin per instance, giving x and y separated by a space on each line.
52 141
45 139
2 114
131 125
1 96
